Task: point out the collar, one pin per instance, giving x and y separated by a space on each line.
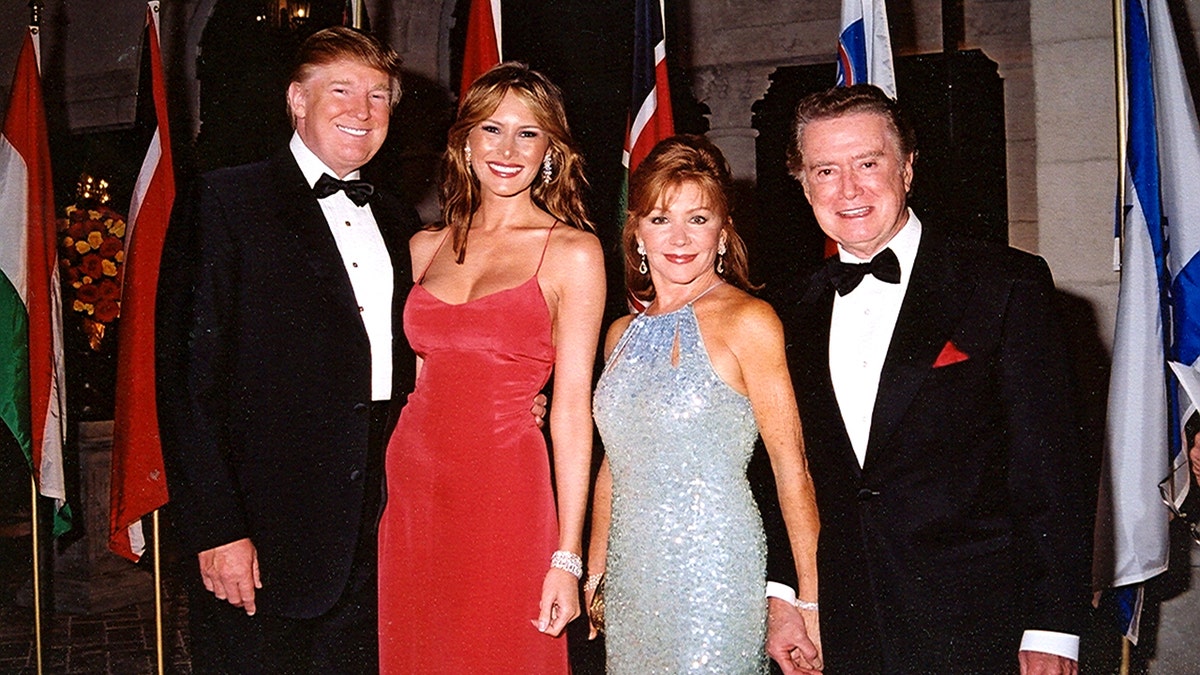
310 165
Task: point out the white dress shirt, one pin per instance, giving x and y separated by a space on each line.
860 332
367 262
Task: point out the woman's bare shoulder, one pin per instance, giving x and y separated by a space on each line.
615 331
737 314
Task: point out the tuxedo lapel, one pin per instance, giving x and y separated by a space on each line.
821 414
933 304
302 218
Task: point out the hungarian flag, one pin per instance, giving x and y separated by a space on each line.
865 46
138 481
32 388
650 118
483 41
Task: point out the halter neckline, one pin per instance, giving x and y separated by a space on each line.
689 303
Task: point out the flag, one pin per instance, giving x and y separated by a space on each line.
1145 458
32 388
482 50
138 481
865 47
650 118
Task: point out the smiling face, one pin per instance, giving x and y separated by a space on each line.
681 236
341 110
507 148
856 179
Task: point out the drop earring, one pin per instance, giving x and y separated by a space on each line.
721 257
547 169
467 152
641 249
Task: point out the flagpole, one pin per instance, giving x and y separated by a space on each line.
35 20
158 607
37 576
1122 90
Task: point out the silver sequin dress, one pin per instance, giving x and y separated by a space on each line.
686 552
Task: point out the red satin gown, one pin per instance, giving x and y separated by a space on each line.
470 524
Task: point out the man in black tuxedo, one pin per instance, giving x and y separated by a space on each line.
280 354
935 395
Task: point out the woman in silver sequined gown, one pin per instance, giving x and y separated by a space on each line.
689 383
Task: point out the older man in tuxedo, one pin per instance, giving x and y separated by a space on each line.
936 400
278 360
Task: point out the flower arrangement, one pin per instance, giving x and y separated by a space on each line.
92 257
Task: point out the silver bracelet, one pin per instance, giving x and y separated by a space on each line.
567 562
807 606
593 582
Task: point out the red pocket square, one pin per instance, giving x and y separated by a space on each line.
950 355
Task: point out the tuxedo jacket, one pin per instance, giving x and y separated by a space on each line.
264 378
968 522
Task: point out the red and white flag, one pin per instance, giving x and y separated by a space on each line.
483 41
32 386
138 480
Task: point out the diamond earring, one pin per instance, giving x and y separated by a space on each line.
547 169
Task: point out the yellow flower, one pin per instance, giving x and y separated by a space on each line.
110 268
117 228
83 307
94 215
95 239
119 256
71 209
87 280
82 246
68 242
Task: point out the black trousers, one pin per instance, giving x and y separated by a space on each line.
343 640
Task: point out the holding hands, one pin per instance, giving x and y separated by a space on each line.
793 638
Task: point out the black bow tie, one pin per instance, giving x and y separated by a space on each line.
359 191
845 276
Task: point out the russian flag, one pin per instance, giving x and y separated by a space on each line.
1157 327
865 46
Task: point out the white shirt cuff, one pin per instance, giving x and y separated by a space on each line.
781 591
1051 642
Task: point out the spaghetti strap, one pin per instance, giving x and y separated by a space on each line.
544 247
436 251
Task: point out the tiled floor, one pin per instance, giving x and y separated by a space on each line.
117 642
